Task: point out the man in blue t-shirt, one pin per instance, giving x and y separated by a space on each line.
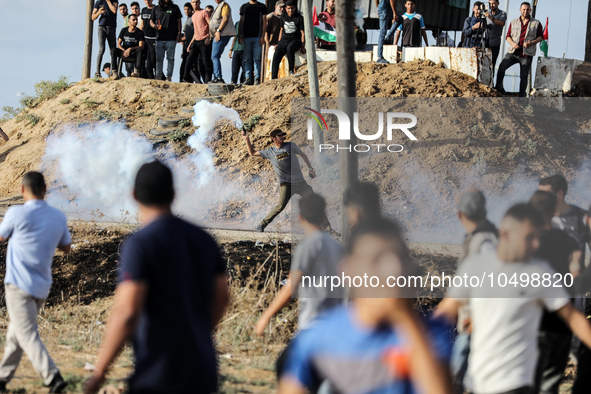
412 27
106 12
287 168
172 293
377 344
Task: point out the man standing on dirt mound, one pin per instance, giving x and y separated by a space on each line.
290 177
171 294
523 34
166 19
34 231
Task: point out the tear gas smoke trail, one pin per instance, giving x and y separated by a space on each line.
98 165
206 116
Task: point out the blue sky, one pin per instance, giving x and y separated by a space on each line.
51 41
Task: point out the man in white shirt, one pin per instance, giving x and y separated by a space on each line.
34 231
505 316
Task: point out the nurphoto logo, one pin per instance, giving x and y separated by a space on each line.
393 127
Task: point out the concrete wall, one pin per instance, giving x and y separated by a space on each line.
554 75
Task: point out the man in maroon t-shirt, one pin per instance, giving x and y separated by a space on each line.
523 34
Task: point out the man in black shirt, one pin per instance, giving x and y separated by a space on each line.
129 44
554 338
171 294
166 19
150 39
107 11
253 24
291 39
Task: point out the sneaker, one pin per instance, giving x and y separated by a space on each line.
382 60
260 228
249 82
257 81
114 75
169 79
292 73
58 384
135 73
501 90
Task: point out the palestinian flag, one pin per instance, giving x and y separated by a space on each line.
544 43
323 30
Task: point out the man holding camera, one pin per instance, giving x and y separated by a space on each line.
495 21
523 34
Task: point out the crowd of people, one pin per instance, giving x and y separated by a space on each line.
151 34
173 290
484 28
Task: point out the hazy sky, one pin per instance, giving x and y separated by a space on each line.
51 42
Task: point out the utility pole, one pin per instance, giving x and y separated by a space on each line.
588 35
312 76
346 76
87 41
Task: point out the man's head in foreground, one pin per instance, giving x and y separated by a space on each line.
556 184
519 233
377 249
471 206
153 188
362 202
312 210
545 202
33 186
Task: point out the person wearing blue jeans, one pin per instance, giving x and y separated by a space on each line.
165 48
221 27
253 24
166 19
385 15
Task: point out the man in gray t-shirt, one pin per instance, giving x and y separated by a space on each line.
316 257
287 167
495 21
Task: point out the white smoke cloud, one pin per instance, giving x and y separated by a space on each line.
91 170
98 165
206 116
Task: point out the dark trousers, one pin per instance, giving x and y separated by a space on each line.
583 380
105 33
199 47
117 55
289 47
237 65
525 67
150 57
285 192
495 55
554 348
521 390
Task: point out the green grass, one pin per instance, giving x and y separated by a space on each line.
102 115
29 118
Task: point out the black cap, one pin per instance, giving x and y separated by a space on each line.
276 132
154 184
106 65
